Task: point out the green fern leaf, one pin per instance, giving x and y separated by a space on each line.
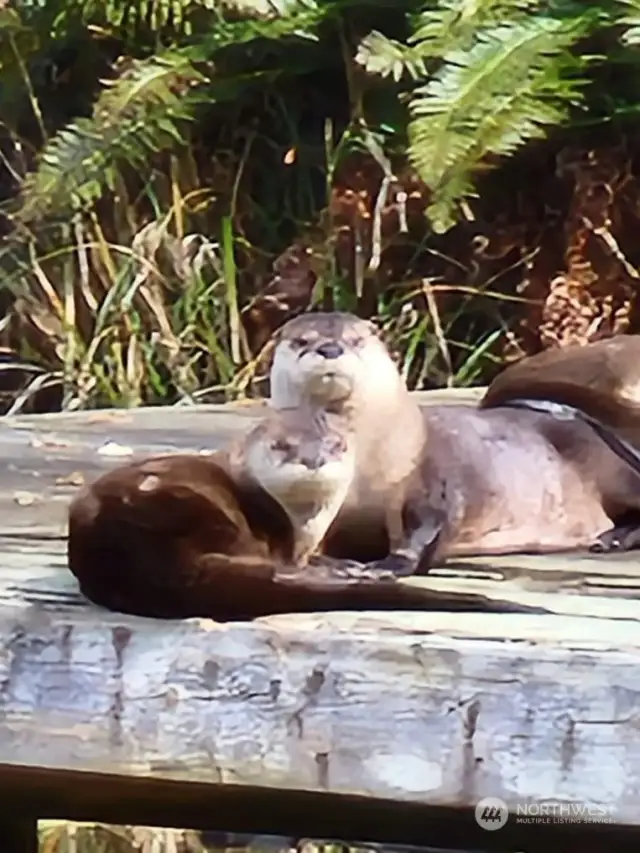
129 20
269 8
454 23
631 35
142 111
136 114
378 54
517 79
132 21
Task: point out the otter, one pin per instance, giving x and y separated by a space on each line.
233 535
336 362
597 383
601 379
478 480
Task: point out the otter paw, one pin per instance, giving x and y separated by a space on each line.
334 569
617 539
397 563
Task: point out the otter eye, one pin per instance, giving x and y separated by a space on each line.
356 342
301 342
281 444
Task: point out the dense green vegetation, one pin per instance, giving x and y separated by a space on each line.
176 177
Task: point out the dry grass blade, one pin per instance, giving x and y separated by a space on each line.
438 331
38 383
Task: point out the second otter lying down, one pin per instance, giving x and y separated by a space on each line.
232 536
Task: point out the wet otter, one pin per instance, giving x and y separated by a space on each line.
336 362
601 378
231 536
487 480
598 384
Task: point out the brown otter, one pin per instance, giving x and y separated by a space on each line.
231 536
336 362
601 378
489 480
597 383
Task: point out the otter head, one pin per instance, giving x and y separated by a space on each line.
328 359
306 461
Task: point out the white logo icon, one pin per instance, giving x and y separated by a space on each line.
491 813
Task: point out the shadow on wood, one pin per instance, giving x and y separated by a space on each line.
236 808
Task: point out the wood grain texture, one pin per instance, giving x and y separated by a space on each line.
432 708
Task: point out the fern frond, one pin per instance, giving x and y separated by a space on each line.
517 79
122 16
159 14
138 113
631 20
378 54
269 8
301 22
453 24
128 20
141 112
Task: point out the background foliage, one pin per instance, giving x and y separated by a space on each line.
177 177
69 837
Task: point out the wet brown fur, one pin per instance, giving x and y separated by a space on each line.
201 541
600 378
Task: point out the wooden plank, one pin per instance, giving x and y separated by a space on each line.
407 706
432 708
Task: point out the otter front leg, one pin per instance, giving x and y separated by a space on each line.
413 553
342 568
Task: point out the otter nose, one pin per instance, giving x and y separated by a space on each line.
311 462
330 349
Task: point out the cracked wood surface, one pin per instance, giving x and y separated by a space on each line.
436 708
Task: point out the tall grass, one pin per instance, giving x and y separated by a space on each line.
144 300
167 289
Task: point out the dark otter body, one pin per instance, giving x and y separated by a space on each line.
196 540
181 548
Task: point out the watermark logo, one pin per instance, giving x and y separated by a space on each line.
491 813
